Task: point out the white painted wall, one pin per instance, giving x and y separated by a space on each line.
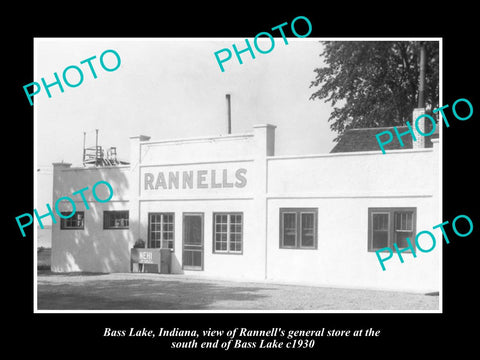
194 150
92 249
342 258
401 172
341 186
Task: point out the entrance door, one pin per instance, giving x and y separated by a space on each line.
193 241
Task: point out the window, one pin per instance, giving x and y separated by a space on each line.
298 228
115 219
228 233
388 226
161 230
73 223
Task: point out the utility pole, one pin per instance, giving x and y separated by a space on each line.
421 81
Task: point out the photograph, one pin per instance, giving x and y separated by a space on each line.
222 180
280 173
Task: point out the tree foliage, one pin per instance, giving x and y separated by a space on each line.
374 83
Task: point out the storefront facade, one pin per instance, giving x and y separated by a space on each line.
227 207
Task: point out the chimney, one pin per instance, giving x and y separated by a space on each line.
420 143
229 115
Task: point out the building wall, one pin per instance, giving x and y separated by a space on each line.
400 172
342 258
341 186
194 150
93 248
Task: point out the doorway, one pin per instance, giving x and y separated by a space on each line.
192 241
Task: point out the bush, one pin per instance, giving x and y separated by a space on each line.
139 244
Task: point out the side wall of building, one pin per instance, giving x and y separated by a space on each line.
92 248
343 187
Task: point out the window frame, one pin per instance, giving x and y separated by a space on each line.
214 232
298 228
106 223
391 211
63 221
149 239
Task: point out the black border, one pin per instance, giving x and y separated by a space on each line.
416 334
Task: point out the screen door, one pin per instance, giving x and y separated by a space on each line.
193 241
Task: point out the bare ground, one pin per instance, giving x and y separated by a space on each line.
135 291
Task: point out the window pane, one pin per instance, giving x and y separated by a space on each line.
74 222
289 229
401 239
380 239
404 220
236 219
237 246
112 219
308 229
403 228
380 222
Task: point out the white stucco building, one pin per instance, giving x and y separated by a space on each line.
227 207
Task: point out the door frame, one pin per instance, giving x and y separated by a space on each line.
201 215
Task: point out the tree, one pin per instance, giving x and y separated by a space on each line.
374 83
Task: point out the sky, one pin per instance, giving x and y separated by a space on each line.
169 88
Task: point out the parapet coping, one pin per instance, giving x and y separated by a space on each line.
198 139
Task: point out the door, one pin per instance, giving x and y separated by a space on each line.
192 241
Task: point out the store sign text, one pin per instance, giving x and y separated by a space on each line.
195 179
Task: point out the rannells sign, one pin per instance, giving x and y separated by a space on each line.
195 179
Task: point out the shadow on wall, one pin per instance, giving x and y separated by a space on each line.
92 249
95 249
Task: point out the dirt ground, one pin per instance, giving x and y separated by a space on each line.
135 291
